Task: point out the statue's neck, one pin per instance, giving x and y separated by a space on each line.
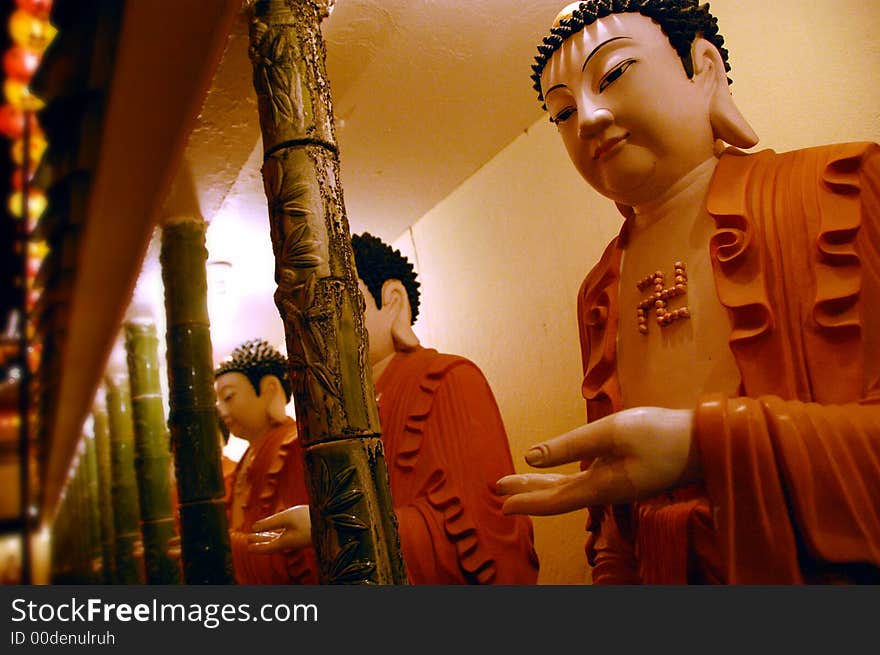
254 441
380 366
681 199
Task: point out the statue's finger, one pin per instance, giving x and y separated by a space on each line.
524 482
586 442
595 486
262 537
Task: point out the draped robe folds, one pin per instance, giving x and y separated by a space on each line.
791 465
276 481
445 446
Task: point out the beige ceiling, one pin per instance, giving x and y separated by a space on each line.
425 92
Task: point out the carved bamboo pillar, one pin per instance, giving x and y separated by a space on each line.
152 457
195 441
126 510
354 528
105 496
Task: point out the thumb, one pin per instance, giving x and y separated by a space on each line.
277 521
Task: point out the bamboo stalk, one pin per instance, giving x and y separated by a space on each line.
105 496
354 528
207 558
152 456
93 511
126 512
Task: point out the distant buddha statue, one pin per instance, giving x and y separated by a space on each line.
729 334
444 440
252 392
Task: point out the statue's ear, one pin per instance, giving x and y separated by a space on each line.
276 401
728 124
395 301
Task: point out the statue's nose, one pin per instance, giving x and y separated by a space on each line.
593 121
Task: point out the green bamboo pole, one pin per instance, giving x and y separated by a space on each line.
65 550
83 512
79 537
74 537
207 558
105 496
152 456
93 511
126 512
57 541
353 524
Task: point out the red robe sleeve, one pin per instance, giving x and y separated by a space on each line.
795 487
451 526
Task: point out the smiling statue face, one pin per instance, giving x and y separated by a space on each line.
632 121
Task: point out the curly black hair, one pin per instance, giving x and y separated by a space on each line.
377 262
256 359
681 21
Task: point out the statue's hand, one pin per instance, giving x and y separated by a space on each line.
636 453
290 529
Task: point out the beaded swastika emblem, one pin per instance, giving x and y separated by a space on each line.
659 298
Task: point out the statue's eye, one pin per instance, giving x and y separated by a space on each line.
563 115
614 74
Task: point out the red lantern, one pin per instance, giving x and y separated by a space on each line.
39 8
18 178
11 122
20 63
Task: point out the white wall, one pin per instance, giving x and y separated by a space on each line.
502 257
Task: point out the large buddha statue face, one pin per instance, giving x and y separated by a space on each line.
631 119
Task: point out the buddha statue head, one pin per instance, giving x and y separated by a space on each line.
639 93
253 389
391 295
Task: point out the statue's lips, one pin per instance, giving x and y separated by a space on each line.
611 145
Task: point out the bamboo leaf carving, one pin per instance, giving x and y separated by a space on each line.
274 73
345 569
347 522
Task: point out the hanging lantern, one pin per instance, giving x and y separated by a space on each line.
39 8
19 95
33 298
38 147
20 63
12 122
18 177
30 31
36 205
35 352
33 268
36 253
37 250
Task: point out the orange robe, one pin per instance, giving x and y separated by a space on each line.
277 481
791 466
445 446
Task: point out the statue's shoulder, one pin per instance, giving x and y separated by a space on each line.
852 152
442 363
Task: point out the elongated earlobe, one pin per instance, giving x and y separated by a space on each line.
395 299
271 389
728 124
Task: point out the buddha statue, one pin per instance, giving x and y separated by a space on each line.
729 339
